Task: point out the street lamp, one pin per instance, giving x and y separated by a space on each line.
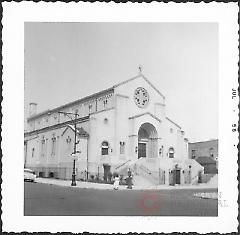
75 144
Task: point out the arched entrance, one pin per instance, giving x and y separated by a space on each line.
147 141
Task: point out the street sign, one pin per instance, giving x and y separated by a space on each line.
76 155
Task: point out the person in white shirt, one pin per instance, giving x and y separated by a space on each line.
116 182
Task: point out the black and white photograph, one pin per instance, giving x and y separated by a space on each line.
122 121
99 120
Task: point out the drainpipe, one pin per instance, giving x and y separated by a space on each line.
87 159
25 154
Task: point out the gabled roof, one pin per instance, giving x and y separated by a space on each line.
173 122
71 103
140 75
205 160
146 113
80 131
93 95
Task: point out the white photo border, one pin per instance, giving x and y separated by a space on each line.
14 16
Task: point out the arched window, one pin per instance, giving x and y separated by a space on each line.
53 145
122 147
171 152
105 147
43 141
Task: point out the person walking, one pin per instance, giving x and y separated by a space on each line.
116 182
129 179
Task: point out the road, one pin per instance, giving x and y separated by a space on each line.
44 199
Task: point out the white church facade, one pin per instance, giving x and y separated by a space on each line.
122 127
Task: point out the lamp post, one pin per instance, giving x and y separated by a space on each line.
75 144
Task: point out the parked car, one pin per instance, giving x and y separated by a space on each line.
29 175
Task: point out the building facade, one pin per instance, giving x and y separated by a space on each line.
122 127
206 154
207 148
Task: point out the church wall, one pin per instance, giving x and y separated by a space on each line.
121 127
53 155
83 108
170 139
101 129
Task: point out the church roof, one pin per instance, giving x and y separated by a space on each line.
205 160
173 122
94 95
140 75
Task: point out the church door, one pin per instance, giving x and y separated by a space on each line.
106 169
177 176
141 150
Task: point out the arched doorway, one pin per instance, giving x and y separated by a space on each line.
147 141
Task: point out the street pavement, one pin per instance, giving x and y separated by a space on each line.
51 199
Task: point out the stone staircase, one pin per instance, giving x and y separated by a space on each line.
147 172
142 175
139 180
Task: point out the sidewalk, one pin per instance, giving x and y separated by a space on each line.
89 185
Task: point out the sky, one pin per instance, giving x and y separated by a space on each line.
68 61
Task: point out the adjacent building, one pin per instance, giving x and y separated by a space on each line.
123 126
206 154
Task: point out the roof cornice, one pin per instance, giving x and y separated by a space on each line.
111 89
146 113
56 126
173 122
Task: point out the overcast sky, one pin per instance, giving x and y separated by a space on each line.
67 61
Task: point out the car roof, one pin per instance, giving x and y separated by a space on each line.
26 169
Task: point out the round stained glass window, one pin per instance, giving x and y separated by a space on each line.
141 97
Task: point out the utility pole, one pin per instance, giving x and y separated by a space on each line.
75 145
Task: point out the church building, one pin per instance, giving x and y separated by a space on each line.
122 127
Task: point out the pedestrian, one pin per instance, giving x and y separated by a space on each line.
116 182
129 179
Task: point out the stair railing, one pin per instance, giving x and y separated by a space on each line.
122 164
147 173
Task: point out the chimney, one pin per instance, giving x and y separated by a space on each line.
32 109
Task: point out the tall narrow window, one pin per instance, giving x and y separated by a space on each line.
43 142
122 147
68 140
33 152
105 103
89 108
105 148
171 152
53 145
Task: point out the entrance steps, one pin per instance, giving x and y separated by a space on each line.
141 181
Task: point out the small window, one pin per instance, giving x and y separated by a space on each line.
193 154
171 130
105 103
122 147
90 108
68 140
211 152
171 152
105 148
